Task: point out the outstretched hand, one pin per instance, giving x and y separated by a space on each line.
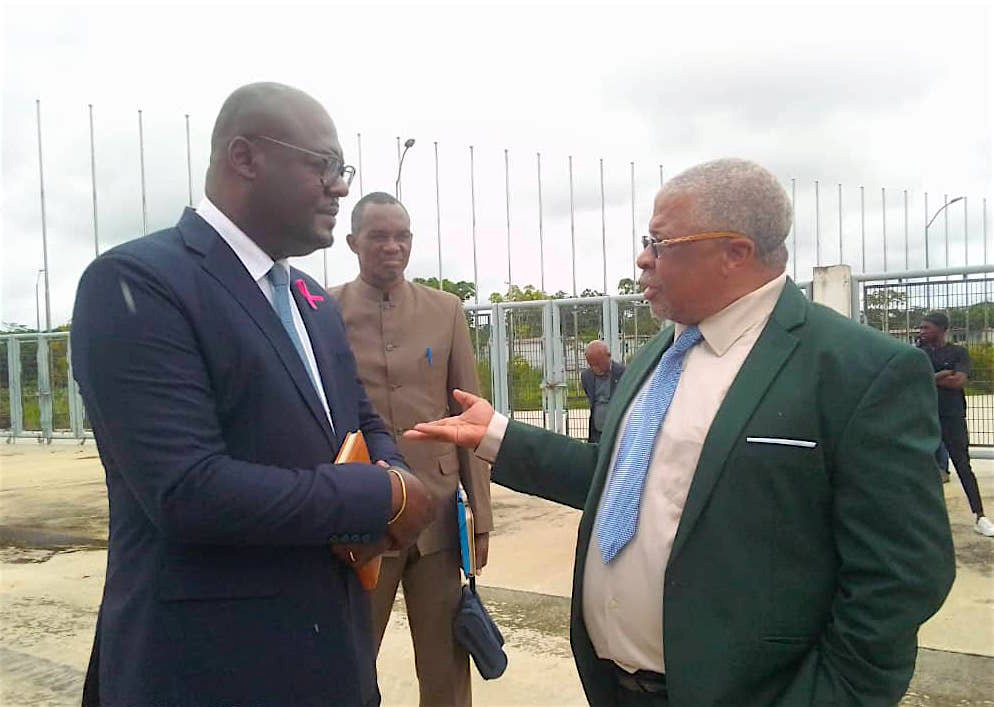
465 430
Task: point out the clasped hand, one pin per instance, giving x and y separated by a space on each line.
465 430
418 512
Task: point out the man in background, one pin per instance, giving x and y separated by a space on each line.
413 348
599 381
951 364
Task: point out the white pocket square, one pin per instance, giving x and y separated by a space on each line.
783 442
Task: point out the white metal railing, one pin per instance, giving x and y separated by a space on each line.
44 403
36 406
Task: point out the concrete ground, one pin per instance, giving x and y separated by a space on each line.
53 516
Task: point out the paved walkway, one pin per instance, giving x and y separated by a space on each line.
52 558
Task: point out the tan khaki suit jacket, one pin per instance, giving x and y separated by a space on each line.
390 338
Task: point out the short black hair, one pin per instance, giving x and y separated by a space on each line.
939 319
373 197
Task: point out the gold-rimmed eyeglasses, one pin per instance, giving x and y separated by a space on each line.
334 167
657 246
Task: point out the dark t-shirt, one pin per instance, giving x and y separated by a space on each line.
952 403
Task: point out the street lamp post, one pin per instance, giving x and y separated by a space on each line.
931 220
928 289
408 144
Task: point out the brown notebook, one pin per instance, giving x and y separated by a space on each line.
354 451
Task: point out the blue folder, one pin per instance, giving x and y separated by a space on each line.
467 547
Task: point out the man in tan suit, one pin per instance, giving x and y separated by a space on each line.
412 347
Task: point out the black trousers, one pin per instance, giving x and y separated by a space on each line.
593 435
625 698
957 441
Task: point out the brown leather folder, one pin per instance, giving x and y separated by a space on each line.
354 451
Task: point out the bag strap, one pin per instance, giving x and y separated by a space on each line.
472 584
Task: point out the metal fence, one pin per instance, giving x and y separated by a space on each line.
879 228
530 354
531 358
38 396
897 306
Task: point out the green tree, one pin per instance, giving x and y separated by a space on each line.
886 309
981 381
463 289
526 385
628 286
486 380
515 293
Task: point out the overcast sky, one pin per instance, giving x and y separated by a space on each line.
888 97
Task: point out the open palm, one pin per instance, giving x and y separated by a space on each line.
465 430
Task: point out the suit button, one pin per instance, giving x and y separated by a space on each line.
355 538
395 386
366 538
390 347
333 538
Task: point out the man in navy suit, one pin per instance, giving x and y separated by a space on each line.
220 388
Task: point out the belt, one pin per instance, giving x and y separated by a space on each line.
643 681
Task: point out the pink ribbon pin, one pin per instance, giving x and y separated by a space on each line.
311 299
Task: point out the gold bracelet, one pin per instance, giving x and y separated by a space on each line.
403 496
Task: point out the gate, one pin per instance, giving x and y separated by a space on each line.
897 307
531 353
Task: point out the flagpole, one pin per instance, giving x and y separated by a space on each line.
141 159
93 184
44 225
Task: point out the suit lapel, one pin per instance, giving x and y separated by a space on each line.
322 355
771 351
222 263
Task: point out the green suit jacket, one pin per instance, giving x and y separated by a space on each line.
798 576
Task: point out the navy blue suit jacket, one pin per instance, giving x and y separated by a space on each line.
221 588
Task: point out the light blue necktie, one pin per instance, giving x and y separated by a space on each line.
279 278
619 511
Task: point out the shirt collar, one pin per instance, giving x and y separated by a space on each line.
248 252
367 291
724 328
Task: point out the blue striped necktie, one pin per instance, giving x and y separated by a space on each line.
617 519
279 278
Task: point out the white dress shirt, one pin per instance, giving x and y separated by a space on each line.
258 265
623 600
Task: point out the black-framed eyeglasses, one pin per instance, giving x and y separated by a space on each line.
334 168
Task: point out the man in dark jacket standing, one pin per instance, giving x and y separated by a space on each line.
599 382
951 364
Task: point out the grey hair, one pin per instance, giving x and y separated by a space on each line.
597 345
738 195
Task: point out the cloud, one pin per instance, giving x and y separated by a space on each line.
879 97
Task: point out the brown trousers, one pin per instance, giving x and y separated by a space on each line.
432 589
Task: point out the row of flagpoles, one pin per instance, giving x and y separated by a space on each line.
507 196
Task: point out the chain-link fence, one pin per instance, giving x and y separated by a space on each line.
530 355
38 397
898 307
538 351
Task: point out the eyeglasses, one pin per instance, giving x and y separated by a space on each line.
333 169
658 246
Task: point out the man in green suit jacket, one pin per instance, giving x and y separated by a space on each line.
763 523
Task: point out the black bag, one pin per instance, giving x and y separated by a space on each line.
476 631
